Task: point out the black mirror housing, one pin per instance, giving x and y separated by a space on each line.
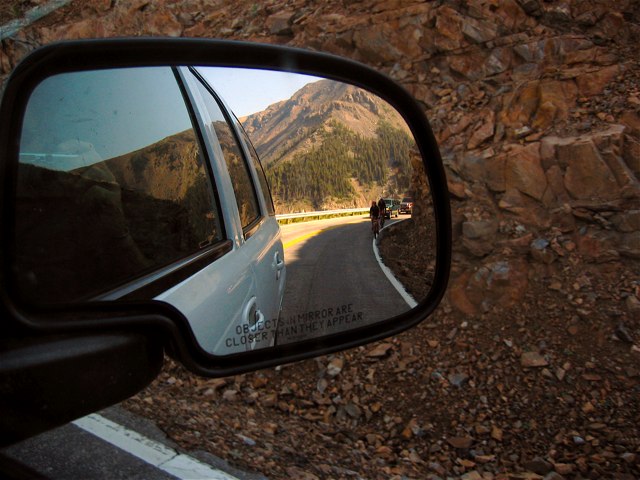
133 313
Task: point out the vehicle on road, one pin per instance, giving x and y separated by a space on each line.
406 206
392 207
142 197
137 222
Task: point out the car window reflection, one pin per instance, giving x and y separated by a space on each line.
111 183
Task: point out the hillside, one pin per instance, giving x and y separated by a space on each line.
331 145
292 126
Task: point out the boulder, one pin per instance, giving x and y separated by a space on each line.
280 23
374 45
449 29
556 98
479 229
523 171
484 132
587 174
500 282
594 83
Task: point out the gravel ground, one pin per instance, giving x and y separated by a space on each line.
549 388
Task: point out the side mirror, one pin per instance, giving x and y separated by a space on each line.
169 184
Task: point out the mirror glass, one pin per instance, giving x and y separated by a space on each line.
144 183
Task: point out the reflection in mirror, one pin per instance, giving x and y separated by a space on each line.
99 197
126 176
329 150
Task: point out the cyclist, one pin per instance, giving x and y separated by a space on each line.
383 211
374 215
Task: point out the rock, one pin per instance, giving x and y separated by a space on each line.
478 31
538 465
537 104
479 228
499 61
381 350
532 7
533 360
460 442
270 428
563 468
322 385
632 303
270 400
519 107
298 473
553 476
280 23
412 428
230 395
587 174
629 458
478 248
353 410
473 475
623 334
593 83
457 189
523 171
449 27
485 458
247 440
335 367
556 99
522 132
438 468
627 221
374 45
484 132
500 282
541 252
163 23
628 245
458 379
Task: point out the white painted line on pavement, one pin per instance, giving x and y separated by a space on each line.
391 277
160 456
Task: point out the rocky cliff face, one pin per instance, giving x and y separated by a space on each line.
536 106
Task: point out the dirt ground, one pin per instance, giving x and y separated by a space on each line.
548 388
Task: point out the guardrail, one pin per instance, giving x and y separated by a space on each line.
305 216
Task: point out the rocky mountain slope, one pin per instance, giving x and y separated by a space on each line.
331 145
529 369
292 126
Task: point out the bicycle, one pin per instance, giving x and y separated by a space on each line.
375 226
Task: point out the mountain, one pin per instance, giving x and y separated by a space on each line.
331 145
290 126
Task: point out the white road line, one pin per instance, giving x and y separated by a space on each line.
391 277
160 456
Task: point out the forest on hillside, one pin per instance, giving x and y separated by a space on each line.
325 172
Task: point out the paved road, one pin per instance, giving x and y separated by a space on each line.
113 445
334 281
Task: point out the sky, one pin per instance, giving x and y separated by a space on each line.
248 91
73 118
